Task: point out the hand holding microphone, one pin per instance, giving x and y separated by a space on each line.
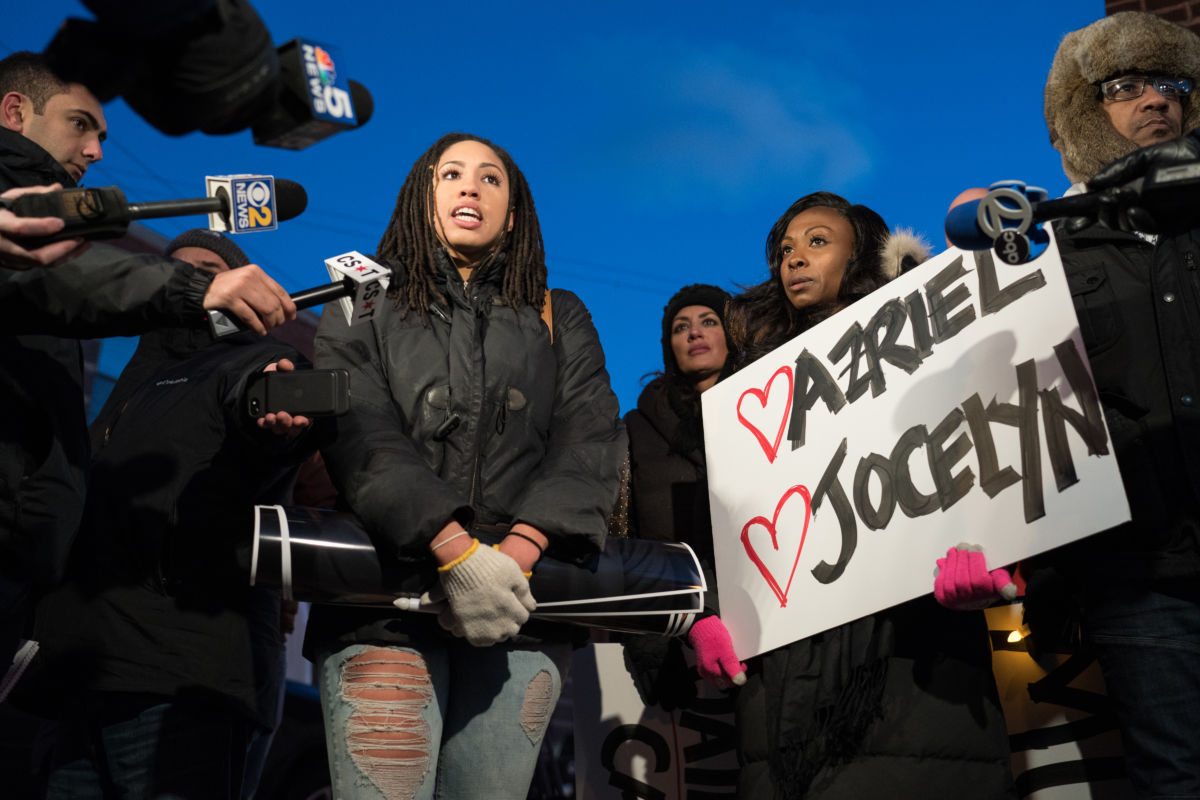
17 231
359 288
236 204
1177 152
1155 189
252 296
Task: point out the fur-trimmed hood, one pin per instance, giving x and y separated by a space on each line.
1130 40
902 251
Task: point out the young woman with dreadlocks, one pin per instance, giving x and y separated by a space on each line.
479 398
901 703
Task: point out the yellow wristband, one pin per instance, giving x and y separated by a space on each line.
447 567
527 575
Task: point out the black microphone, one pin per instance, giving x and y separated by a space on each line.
311 104
218 72
104 213
222 324
359 284
965 229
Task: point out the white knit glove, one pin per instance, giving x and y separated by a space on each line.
488 595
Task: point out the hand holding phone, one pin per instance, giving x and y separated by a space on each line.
308 393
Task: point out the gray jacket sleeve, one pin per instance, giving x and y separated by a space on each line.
371 456
105 291
573 489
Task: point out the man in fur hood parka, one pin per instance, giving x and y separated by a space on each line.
1134 589
1126 43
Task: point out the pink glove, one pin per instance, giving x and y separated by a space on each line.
715 659
962 580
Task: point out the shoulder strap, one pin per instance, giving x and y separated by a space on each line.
548 316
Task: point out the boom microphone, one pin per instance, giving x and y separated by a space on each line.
314 100
104 213
208 65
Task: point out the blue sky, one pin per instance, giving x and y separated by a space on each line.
661 140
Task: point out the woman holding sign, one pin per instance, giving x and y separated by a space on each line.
478 397
901 702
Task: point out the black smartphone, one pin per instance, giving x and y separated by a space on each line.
307 392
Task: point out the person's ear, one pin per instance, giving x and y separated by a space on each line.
12 111
512 215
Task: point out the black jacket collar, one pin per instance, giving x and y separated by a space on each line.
23 162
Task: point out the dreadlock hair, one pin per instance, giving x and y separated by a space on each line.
411 237
761 318
29 74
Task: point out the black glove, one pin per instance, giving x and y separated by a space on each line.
1163 200
1184 150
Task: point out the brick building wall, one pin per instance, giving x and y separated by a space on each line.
1184 12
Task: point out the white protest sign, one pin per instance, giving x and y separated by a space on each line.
953 404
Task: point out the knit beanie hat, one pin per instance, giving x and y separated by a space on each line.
696 294
211 240
1125 42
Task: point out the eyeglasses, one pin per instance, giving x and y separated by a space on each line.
1129 87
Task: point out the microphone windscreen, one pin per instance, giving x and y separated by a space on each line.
290 198
962 227
364 105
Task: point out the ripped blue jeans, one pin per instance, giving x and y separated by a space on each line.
438 718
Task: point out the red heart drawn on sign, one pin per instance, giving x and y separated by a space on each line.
771 449
769 524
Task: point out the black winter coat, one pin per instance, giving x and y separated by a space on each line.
669 496
471 414
155 601
936 729
43 437
668 501
1139 314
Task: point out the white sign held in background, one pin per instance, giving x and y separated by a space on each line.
953 404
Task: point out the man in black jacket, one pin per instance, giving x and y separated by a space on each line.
1120 84
50 133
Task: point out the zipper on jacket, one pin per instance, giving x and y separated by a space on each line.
480 321
108 429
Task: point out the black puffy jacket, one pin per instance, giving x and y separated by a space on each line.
471 414
669 496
